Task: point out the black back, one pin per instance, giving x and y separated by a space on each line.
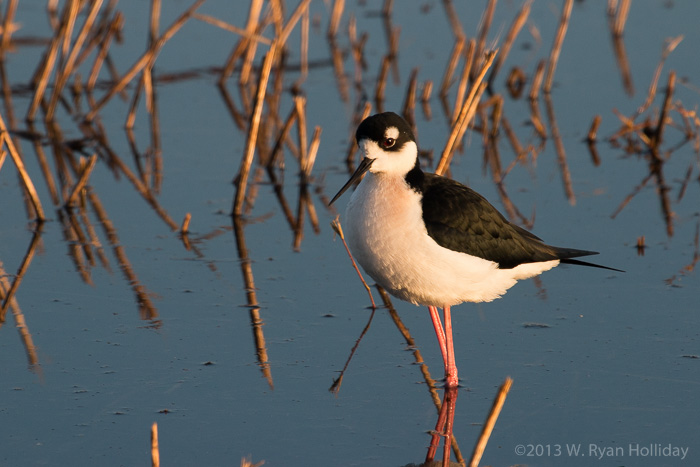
462 220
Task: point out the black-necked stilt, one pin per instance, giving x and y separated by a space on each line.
430 240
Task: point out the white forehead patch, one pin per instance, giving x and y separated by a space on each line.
391 132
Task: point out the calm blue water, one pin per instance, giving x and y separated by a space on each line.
616 366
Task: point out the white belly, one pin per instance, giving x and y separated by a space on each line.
386 234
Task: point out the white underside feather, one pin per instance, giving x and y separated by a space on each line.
387 236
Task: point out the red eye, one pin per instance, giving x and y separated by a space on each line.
388 142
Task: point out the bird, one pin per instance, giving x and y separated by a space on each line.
430 240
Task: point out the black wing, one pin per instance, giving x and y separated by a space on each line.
462 220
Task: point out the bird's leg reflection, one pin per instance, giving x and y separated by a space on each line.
444 427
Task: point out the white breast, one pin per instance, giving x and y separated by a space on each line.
387 236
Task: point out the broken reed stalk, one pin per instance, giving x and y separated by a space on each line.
465 116
490 422
484 26
7 26
249 151
381 82
457 49
409 104
336 14
19 275
312 152
658 133
300 106
23 174
144 59
84 176
231 28
515 27
65 72
18 315
453 19
425 99
670 46
464 79
556 46
593 132
185 227
621 17
115 26
155 452
559 149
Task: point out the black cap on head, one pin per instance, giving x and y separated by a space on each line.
374 128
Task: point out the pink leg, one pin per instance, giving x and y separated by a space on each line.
439 332
444 336
451 379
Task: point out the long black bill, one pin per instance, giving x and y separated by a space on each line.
361 169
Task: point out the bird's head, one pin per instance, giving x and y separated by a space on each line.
388 146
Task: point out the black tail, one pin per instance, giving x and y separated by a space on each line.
584 263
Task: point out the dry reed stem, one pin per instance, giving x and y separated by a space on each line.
556 46
304 45
84 176
457 49
535 116
249 151
24 266
464 79
278 147
592 133
143 298
381 83
114 27
248 463
144 60
352 147
623 63
657 136
669 47
312 152
231 28
291 23
336 15
249 46
155 453
20 322
409 104
41 79
559 148
185 227
115 160
23 174
425 99
251 298
518 23
466 114
453 19
490 422
484 26
7 25
64 73
621 17
300 106
629 197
